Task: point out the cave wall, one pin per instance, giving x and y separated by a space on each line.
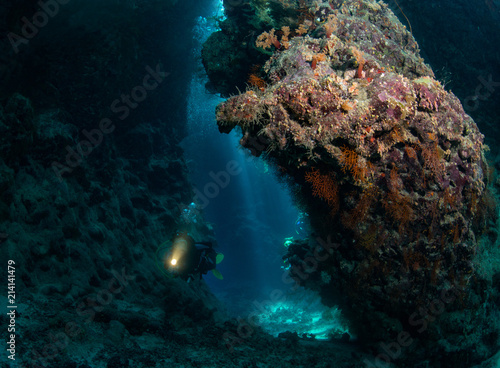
92 108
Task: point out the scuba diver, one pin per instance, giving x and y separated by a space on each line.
189 259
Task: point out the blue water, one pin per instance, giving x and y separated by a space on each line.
252 214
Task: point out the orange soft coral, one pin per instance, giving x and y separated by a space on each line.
324 187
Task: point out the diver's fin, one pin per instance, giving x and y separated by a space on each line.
219 258
217 274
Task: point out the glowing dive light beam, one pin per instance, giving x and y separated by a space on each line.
179 249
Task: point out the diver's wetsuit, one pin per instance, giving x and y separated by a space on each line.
207 257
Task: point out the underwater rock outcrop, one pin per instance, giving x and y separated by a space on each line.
388 166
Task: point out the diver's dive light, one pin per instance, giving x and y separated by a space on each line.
177 254
182 256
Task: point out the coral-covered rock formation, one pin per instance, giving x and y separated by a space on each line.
388 166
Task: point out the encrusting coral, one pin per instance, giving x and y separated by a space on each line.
388 163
